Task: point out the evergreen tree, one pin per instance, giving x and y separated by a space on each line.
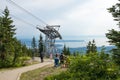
40 47
33 47
68 51
2 44
24 50
7 32
102 52
74 53
18 51
10 48
91 47
114 35
64 50
103 55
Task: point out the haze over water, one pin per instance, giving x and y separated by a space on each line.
75 42
82 41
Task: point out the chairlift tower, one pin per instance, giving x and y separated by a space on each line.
51 33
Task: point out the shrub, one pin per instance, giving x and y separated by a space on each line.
90 67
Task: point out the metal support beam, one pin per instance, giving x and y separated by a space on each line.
51 33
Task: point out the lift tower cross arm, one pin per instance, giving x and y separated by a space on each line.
51 33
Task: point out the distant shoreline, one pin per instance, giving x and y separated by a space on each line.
74 45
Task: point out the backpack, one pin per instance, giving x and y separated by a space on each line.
61 57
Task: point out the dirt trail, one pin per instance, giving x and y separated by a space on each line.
15 73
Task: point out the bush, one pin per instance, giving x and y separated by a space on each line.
116 56
6 63
21 61
66 75
89 67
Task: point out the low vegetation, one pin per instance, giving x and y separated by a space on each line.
93 66
41 73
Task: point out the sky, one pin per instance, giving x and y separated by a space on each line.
76 17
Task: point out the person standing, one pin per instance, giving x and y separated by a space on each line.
41 56
62 60
56 60
51 56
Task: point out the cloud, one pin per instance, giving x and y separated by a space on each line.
43 4
91 18
83 17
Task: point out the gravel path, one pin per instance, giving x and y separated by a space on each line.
14 74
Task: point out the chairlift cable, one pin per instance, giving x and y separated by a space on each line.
26 11
20 19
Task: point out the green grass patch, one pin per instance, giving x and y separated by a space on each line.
26 64
41 73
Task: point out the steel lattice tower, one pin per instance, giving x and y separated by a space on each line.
51 33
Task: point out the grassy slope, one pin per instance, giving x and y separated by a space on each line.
41 73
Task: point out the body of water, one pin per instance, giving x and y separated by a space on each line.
76 43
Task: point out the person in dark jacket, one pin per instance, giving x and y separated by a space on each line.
62 60
56 60
41 56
